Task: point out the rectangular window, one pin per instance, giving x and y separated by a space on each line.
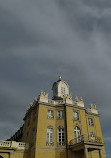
90 121
50 114
61 136
62 90
49 139
60 114
76 115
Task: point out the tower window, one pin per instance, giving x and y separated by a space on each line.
60 114
90 121
61 136
62 90
77 134
76 115
50 114
49 139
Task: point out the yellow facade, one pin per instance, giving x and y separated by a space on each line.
50 129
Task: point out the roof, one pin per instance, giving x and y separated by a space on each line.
57 82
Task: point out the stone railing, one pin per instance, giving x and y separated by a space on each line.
5 144
61 102
85 138
22 145
53 102
43 98
14 145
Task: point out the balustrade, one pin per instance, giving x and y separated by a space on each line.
13 144
5 143
85 138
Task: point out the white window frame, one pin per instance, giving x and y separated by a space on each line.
90 122
77 134
50 136
50 114
60 114
75 115
61 136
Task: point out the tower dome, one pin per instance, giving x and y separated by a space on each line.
60 89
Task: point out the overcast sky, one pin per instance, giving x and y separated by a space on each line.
42 39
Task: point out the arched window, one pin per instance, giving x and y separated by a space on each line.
49 137
61 136
77 134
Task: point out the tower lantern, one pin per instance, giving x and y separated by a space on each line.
60 89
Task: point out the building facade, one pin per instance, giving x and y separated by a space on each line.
57 128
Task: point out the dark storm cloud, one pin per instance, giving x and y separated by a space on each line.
88 15
40 40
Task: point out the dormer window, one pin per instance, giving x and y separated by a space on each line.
62 90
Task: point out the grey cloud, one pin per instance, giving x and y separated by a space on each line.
88 15
39 40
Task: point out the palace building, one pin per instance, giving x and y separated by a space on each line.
57 128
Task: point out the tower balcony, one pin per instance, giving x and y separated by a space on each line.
86 144
85 138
